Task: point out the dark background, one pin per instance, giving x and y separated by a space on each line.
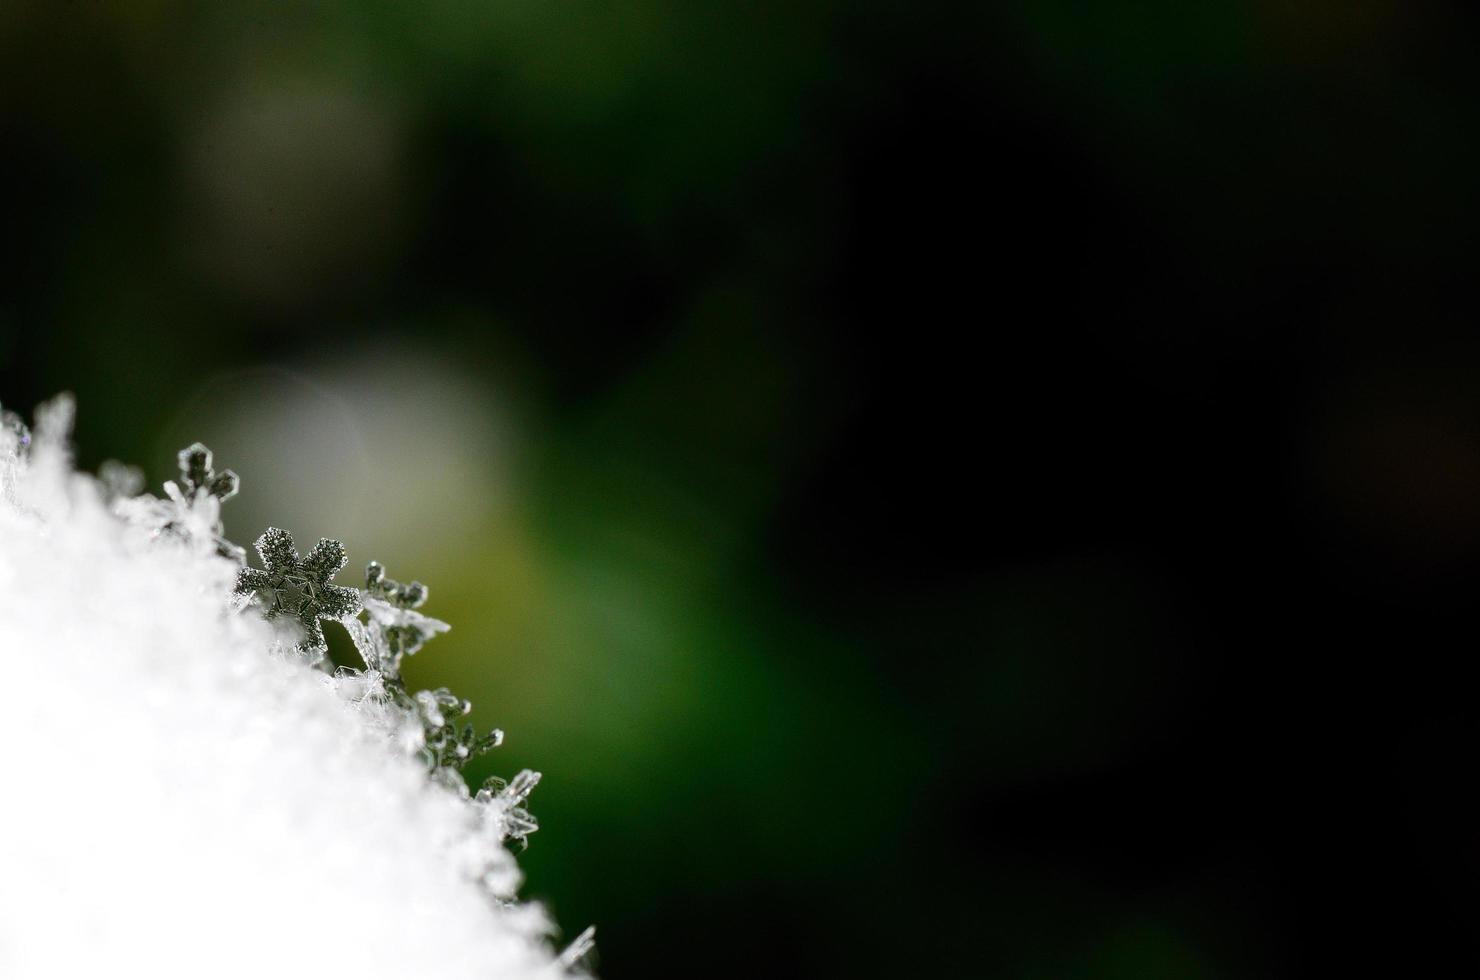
997 486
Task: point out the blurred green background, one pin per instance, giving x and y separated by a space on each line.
939 489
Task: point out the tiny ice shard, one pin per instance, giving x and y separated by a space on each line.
522 785
579 948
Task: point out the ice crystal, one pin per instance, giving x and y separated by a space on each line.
198 477
299 587
394 629
242 794
191 509
579 948
392 608
502 803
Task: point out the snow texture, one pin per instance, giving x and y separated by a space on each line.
183 795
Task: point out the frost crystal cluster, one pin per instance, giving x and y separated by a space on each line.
189 789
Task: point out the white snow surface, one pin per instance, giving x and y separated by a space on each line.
181 797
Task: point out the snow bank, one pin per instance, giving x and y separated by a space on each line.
183 794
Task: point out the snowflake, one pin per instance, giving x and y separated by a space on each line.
300 587
392 607
445 746
191 510
199 477
395 629
502 805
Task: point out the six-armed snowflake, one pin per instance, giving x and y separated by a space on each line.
299 587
